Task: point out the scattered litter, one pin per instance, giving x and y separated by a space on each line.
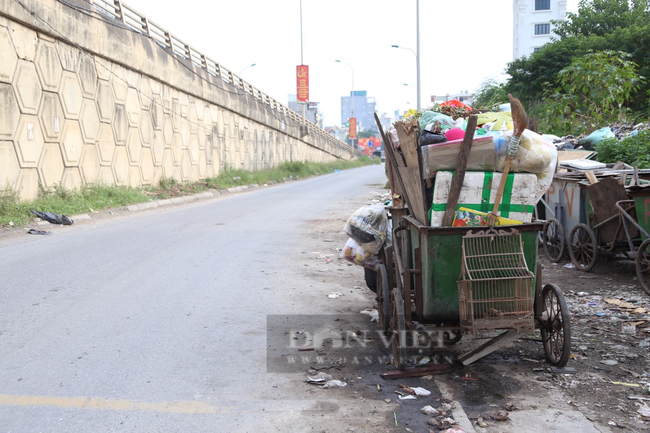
334 295
501 415
634 385
609 362
644 410
38 232
423 361
428 410
456 429
319 378
407 397
334 384
444 407
569 266
53 218
388 400
581 293
374 314
421 392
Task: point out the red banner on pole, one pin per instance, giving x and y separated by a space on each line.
302 78
352 132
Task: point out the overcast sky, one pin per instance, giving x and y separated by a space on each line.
462 42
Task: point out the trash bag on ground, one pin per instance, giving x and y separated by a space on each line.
53 218
368 226
596 137
353 253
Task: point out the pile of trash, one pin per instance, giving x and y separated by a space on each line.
620 131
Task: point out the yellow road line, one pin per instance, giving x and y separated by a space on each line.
188 407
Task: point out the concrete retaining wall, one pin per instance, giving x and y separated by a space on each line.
84 101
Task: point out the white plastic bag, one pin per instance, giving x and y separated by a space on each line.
368 226
353 253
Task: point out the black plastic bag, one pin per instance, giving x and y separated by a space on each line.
53 218
428 137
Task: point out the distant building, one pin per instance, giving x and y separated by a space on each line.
464 96
364 110
532 27
312 111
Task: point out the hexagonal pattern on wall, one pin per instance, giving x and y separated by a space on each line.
120 125
48 66
89 164
68 55
71 179
134 146
71 96
186 166
8 58
168 164
27 87
118 84
105 101
25 41
168 131
9 167
194 149
146 167
29 141
9 112
157 148
134 177
89 121
145 93
106 176
51 116
50 166
132 105
146 129
157 114
121 166
87 75
27 184
72 143
105 144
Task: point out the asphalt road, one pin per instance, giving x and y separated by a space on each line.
156 321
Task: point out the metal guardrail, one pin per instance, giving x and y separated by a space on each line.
138 22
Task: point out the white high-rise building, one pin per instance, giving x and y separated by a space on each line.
532 26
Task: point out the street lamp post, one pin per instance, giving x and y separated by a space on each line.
247 67
351 94
417 65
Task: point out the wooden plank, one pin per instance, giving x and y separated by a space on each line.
489 347
457 182
409 133
392 163
591 177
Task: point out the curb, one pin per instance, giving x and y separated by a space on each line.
172 201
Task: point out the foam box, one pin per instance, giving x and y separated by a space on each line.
479 192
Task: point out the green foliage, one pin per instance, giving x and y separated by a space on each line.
490 95
634 151
600 17
591 92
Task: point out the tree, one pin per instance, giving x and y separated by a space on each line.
592 92
490 95
601 17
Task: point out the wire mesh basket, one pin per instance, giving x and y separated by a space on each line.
495 288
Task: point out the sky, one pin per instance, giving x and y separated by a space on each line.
462 42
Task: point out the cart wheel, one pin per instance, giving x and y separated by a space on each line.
555 326
553 240
643 265
383 299
398 326
583 249
370 276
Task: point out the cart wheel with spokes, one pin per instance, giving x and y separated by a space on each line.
553 240
643 265
555 326
583 248
383 299
398 328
